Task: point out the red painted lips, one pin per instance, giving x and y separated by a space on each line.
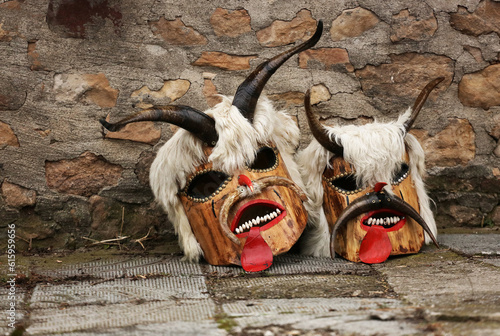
250 220
376 245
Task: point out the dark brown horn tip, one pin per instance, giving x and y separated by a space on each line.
110 127
317 35
419 102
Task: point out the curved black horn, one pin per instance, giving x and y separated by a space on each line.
422 97
247 94
318 130
374 201
198 123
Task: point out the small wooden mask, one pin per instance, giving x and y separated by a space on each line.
374 211
222 178
377 232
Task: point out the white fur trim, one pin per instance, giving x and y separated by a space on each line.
417 168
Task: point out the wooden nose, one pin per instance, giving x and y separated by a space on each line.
244 180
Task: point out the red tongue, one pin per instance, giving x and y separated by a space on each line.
376 246
256 255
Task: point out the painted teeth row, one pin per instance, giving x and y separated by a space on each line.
257 221
205 199
347 192
384 221
398 181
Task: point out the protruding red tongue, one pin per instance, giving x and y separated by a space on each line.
376 246
257 255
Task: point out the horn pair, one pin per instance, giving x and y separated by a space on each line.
203 126
321 135
372 201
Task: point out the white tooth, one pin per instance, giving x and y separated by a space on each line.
386 221
258 220
379 221
237 230
370 220
395 219
274 214
249 224
278 211
267 217
254 221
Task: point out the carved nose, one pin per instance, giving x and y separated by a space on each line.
379 186
244 180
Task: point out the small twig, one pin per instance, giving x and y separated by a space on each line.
101 281
140 240
107 241
121 227
26 240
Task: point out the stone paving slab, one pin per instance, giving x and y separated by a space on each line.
118 291
20 298
127 266
452 285
309 306
472 244
177 328
122 315
298 264
298 286
344 316
358 324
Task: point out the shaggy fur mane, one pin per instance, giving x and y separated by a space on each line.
375 150
238 143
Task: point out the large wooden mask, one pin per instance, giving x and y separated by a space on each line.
227 179
374 201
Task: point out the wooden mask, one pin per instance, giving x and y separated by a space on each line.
248 217
373 194
227 179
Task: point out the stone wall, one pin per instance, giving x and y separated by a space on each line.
67 63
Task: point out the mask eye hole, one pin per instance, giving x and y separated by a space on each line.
401 174
265 160
205 185
345 183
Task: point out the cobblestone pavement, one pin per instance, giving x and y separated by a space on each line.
451 291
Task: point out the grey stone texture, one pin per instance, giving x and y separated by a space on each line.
64 64
96 292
